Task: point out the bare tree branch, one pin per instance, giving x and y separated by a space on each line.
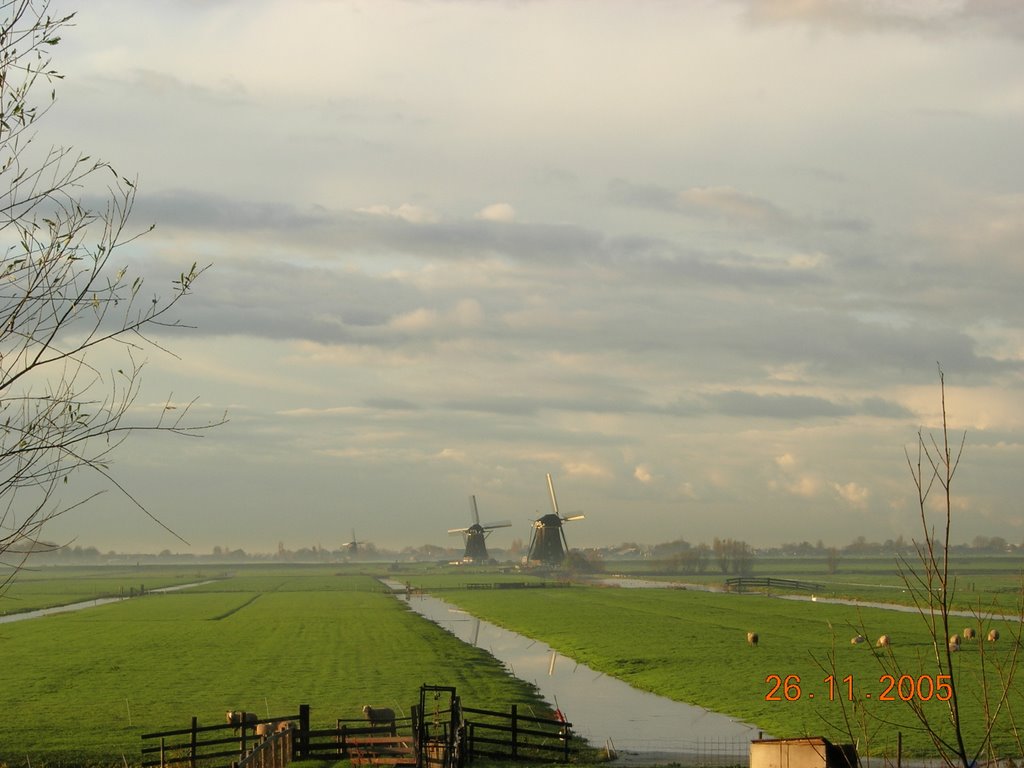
64 297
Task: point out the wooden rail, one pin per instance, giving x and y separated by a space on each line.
275 751
473 733
382 750
741 583
515 736
221 744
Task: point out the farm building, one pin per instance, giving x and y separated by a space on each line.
807 752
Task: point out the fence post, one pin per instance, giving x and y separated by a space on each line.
515 731
193 746
417 734
241 740
303 750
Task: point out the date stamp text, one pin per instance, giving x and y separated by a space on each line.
890 688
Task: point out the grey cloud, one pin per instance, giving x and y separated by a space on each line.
728 204
390 404
642 293
738 403
886 409
622 192
333 233
336 231
1000 19
744 404
701 202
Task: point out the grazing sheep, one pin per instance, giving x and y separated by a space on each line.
263 730
954 643
857 640
379 715
752 638
993 635
883 642
969 633
237 718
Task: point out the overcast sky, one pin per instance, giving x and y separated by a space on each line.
697 260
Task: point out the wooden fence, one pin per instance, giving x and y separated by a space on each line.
275 751
409 741
741 583
515 736
221 744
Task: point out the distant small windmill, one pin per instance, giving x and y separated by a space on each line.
547 541
352 547
476 534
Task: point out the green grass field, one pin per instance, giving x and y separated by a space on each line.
86 685
690 646
266 638
48 587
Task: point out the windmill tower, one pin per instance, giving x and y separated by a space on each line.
547 542
475 535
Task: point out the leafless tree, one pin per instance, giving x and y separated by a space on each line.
928 579
66 302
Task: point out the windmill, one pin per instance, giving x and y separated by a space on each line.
547 542
475 534
352 547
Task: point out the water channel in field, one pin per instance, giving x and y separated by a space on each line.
639 726
71 607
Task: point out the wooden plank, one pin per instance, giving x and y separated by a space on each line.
381 750
383 760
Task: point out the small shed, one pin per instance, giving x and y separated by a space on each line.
805 752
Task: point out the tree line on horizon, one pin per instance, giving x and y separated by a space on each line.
724 555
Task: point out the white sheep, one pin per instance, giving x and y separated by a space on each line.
969 633
752 638
263 730
857 640
993 635
883 642
954 643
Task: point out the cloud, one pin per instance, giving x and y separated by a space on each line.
852 493
755 291
411 213
731 204
806 486
919 17
497 212
786 461
747 404
701 202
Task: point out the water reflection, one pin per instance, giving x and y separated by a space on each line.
604 711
